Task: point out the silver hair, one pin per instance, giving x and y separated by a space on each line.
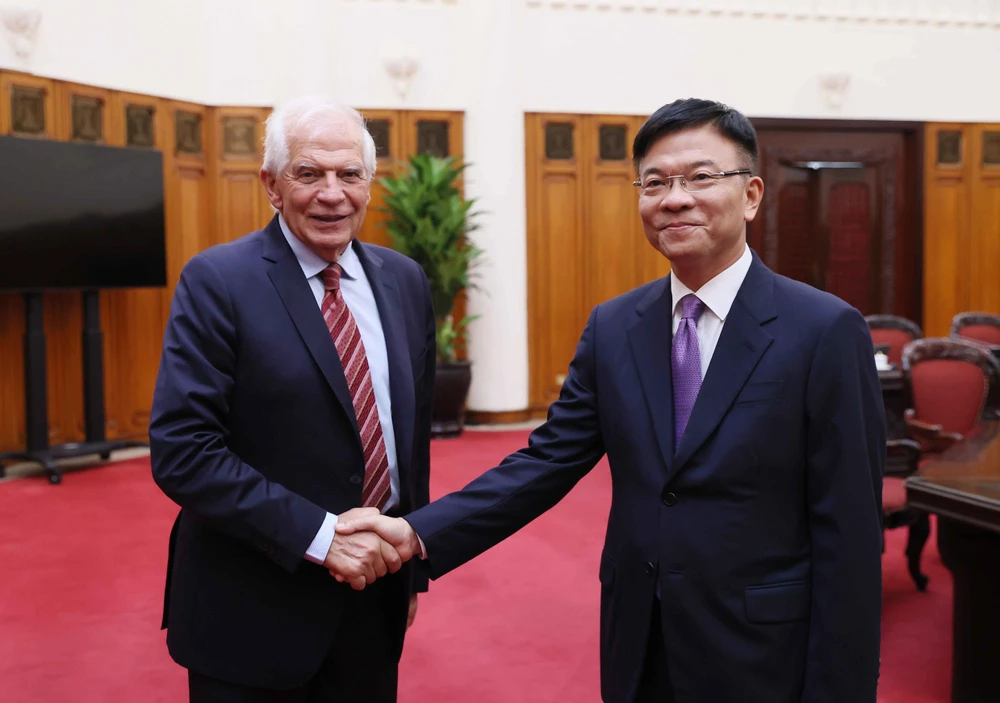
310 112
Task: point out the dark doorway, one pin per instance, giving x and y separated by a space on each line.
841 210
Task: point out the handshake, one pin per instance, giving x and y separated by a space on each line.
367 545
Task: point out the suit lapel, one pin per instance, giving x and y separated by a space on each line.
650 339
293 288
741 345
390 310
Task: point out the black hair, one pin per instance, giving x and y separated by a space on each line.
694 112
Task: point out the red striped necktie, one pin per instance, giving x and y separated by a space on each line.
351 349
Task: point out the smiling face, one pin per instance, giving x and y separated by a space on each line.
704 232
324 190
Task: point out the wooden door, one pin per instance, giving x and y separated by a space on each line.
838 214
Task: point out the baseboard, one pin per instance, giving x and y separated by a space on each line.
502 417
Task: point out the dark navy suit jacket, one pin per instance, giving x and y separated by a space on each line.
253 434
762 529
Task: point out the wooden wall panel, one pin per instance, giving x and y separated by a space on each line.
133 319
962 222
556 267
947 226
985 231
612 230
211 159
81 114
12 430
439 133
386 127
585 240
239 203
39 115
28 105
188 219
39 108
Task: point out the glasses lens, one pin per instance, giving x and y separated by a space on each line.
700 180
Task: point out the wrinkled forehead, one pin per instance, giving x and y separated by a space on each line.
337 141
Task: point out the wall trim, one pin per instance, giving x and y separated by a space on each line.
954 13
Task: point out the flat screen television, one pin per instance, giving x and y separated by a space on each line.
80 216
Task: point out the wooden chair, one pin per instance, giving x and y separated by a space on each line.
980 326
895 331
953 383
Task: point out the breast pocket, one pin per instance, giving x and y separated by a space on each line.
761 392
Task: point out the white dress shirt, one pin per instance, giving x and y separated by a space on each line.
358 295
718 294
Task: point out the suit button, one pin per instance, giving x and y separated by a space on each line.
650 568
669 499
355 479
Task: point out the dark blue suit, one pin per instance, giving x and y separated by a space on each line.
253 434
762 529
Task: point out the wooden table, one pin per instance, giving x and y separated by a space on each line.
963 489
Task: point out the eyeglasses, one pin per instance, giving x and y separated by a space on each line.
696 182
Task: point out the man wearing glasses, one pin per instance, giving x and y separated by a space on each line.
742 417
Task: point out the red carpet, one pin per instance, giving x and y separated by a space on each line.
81 577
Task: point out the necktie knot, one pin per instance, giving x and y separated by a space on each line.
692 307
331 277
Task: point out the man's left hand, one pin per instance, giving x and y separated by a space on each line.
411 616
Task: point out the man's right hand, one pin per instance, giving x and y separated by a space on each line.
362 557
395 531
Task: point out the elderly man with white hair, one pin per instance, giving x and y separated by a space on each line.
294 391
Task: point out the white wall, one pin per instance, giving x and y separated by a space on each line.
148 47
495 59
615 61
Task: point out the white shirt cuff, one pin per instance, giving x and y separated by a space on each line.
320 546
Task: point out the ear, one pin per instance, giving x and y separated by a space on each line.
270 184
753 195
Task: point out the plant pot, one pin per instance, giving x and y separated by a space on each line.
451 387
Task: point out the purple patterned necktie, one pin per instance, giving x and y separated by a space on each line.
686 365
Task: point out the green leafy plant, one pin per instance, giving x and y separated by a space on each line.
429 220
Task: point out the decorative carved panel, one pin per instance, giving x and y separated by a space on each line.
379 129
188 132
991 148
432 138
239 139
559 141
27 110
88 118
949 147
139 125
611 139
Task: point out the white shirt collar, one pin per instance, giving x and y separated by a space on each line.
719 293
312 263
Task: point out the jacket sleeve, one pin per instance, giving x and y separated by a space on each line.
466 523
846 458
190 457
422 431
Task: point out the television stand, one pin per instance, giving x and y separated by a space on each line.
36 389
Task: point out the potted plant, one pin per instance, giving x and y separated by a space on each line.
429 220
